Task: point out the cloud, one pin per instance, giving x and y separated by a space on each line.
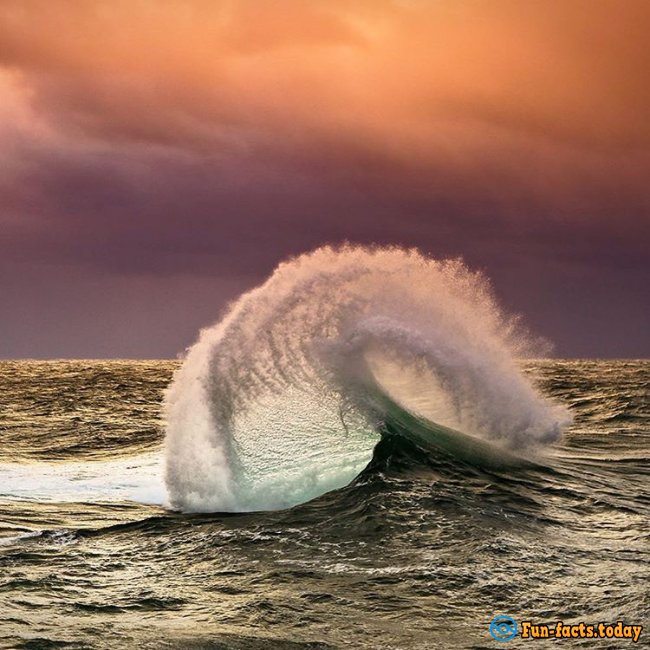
570 70
215 138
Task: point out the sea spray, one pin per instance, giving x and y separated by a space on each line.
275 404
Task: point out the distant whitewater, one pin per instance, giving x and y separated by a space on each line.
287 396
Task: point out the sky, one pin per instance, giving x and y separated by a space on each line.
160 157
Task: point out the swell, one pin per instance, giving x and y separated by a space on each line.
278 402
80 410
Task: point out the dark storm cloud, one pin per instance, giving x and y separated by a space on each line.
213 139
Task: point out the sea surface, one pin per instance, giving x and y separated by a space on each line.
420 550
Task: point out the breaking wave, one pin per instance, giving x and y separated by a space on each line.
287 396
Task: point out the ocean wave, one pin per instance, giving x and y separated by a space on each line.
286 397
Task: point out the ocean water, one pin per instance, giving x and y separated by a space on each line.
354 456
420 550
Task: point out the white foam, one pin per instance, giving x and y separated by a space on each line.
136 478
256 414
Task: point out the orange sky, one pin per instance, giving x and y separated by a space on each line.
522 122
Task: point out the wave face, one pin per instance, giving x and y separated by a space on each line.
283 399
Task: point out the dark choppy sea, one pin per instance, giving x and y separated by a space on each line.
420 551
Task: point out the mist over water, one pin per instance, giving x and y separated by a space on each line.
283 399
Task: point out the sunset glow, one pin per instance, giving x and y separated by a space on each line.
205 141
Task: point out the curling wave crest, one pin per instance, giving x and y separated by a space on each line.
286 397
